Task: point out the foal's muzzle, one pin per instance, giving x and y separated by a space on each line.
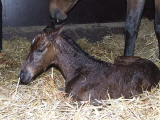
25 76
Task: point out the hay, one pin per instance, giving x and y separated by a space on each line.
112 46
15 51
41 99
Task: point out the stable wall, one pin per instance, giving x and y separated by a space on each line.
24 13
26 18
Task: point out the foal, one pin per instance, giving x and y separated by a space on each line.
86 77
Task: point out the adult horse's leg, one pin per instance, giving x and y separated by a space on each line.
157 22
133 18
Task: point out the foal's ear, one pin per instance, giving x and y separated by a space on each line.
51 26
60 29
52 34
57 31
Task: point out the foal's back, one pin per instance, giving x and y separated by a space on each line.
132 76
128 76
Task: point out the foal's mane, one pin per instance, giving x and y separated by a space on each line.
49 33
78 48
72 43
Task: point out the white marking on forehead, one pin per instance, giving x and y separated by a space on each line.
33 40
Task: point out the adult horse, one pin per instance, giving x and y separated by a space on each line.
59 9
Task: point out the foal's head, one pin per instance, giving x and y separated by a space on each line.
42 54
59 8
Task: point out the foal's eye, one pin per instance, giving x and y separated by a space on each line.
40 51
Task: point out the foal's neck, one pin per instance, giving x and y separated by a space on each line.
72 60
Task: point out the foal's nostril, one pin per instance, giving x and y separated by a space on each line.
25 77
21 74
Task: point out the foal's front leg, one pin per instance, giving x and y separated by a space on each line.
157 22
133 18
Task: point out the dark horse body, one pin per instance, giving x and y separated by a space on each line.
86 77
59 9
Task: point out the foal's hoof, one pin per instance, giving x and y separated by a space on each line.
96 102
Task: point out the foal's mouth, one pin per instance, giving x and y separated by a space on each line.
27 75
24 77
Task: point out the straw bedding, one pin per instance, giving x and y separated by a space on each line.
41 99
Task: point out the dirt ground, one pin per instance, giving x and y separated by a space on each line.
41 99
